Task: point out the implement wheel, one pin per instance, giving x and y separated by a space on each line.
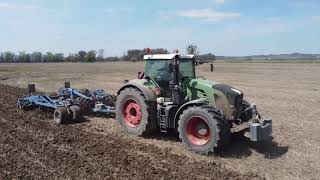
203 130
60 115
75 113
133 113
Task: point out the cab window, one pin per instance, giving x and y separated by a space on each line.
186 68
158 69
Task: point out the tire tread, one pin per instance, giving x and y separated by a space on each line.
223 130
150 124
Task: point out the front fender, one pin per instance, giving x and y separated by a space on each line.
197 102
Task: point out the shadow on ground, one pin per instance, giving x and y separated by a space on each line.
240 146
82 120
169 136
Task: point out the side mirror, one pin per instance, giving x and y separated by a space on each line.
140 75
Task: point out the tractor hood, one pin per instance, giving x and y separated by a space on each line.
222 96
215 86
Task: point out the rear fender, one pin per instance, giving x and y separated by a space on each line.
148 93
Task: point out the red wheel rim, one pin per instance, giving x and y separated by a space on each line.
198 132
132 113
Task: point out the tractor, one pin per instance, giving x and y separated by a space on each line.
169 97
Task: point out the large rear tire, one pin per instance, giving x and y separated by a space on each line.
60 115
134 114
203 130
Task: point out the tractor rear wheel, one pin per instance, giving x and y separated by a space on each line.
60 115
134 114
75 113
203 130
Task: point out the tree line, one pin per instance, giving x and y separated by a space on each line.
89 56
38 57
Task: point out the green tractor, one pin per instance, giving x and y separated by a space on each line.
168 96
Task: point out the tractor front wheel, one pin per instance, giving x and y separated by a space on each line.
133 113
203 130
60 115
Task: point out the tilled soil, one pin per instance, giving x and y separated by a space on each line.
32 146
287 92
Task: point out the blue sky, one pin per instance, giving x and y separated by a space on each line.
223 27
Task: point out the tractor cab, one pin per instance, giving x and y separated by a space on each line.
160 69
158 66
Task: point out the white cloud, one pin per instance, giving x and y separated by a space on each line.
219 1
301 3
272 19
13 6
208 14
5 5
117 10
316 18
258 28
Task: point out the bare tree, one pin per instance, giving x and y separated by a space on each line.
192 49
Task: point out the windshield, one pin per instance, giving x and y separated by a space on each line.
158 69
186 68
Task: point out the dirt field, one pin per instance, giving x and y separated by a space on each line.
31 145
